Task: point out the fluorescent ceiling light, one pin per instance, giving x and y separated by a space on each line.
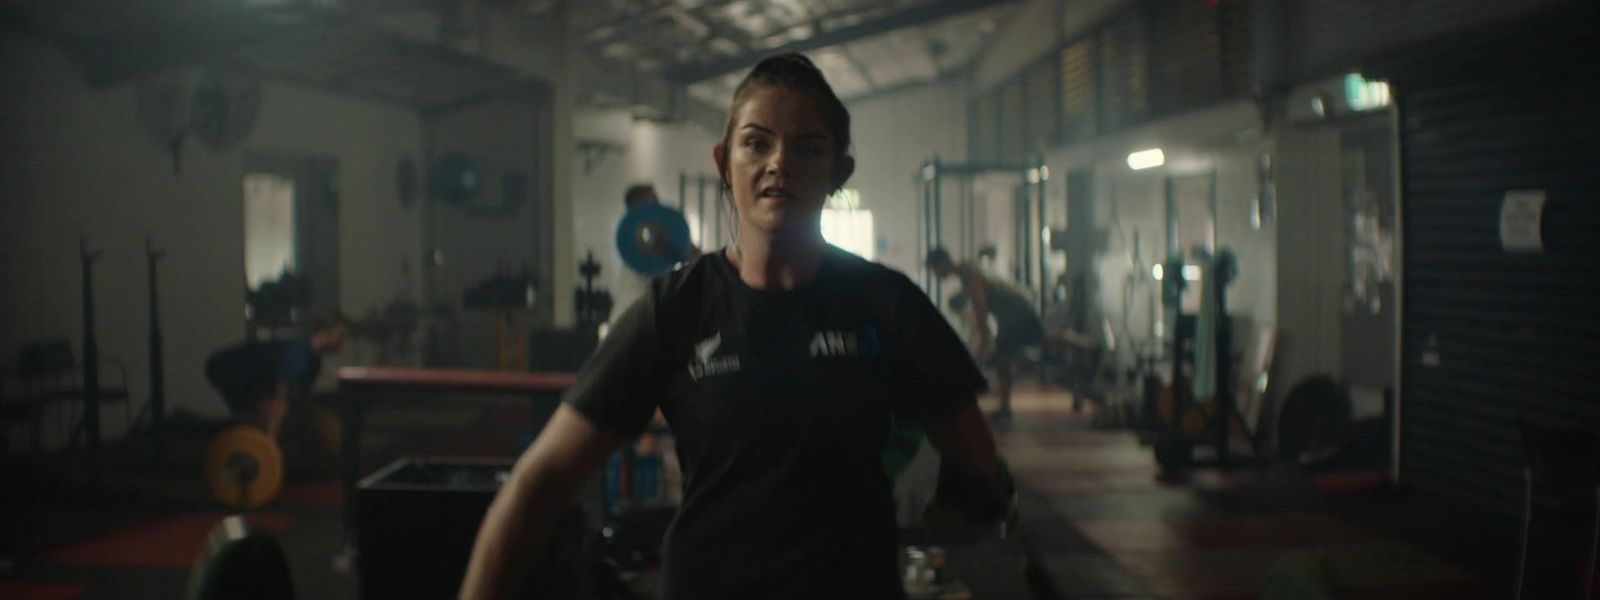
1147 159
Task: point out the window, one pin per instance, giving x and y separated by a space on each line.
269 226
846 225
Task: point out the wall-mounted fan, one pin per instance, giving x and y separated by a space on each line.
224 108
163 111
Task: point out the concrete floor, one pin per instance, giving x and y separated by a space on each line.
1100 518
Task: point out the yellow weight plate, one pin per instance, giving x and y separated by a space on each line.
244 467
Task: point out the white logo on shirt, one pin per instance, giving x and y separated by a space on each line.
827 344
707 348
705 364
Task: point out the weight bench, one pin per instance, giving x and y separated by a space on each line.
47 372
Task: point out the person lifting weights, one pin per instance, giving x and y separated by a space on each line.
263 382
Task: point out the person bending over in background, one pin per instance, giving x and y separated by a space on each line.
262 381
779 363
1017 324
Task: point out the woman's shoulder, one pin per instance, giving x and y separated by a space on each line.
854 270
687 278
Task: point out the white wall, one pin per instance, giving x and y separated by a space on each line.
893 135
77 162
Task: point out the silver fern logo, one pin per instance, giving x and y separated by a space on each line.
706 363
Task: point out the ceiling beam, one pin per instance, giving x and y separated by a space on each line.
860 67
926 12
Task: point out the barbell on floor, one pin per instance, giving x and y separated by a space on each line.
244 467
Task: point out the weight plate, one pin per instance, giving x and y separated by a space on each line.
244 467
652 239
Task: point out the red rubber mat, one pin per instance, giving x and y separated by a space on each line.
167 542
323 493
23 590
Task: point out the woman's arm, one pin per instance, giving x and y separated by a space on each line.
974 490
518 525
963 436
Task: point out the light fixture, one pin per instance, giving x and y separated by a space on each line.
1365 94
1147 159
1044 235
1157 272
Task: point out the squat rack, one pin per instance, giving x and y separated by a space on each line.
1028 202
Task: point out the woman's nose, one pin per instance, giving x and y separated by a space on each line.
778 161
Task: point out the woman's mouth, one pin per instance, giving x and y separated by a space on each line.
776 193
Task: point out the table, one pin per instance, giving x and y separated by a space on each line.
361 385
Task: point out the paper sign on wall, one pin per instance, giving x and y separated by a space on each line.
1522 221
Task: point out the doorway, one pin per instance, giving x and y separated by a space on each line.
291 239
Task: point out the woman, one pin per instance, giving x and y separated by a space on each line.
779 363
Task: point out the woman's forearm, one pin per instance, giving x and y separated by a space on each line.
516 530
514 536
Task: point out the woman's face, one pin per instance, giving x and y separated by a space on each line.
781 163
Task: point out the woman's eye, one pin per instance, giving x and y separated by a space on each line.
757 144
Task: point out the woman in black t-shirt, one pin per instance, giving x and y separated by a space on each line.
779 362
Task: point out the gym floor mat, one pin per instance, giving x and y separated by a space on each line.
26 590
167 542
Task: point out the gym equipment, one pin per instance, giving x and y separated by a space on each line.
158 393
359 386
1030 197
506 295
713 238
391 327
1176 421
455 179
631 538
276 304
238 563
420 517
1314 421
591 306
653 239
244 467
91 365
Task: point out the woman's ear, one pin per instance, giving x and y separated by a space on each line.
719 156
843 170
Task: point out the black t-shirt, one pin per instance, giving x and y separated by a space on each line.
780 403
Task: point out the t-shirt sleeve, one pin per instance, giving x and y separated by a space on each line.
932 371
618 387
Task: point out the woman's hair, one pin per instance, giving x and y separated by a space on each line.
795 72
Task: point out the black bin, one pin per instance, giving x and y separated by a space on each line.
419 517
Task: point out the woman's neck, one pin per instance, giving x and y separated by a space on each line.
776 261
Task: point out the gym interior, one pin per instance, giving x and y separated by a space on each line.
1315 281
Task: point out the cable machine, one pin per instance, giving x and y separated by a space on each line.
1029 214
